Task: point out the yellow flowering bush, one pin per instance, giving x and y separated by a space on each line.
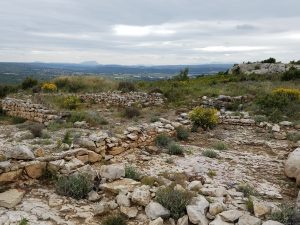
71 102
290 93
49 87
204 117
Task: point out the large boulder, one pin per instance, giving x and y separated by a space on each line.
11 198
248 220
20 152
292 165
155 210
112 172
35 169
231 215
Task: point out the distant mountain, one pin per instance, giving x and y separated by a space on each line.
11 72
89 63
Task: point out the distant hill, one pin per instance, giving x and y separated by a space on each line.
11 72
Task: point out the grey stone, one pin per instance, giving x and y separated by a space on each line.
155 210
11 198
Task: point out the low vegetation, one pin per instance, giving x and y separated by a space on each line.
126 86
175 149
220 146
114 220
247 190
132 173
182 133
210 153
285 214
131 112
205 118
24 221
173 200
91 117
162 140
75 186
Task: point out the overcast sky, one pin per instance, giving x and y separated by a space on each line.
149 31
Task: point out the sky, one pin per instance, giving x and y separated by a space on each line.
149 32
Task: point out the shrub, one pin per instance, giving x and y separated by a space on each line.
250 205
114 220
126 86
175 149
148 180
71 102
183 75
220 146
75 186
294 137
131 112
48 175
182 134
92 118
155 90
6 89
269 60
49 87
210 153
204 117
67 138
292 74
162 140
247 190
131 172
211 173
279 103
28 82
174 200
285 215
35 128
154 119
24 221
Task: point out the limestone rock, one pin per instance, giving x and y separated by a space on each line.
197 209
218 221
195 185
183 220
10 176
158 221
130 212
35 169
231 215
20 152
248 220
214 192
272 222
155 210
125 185
292 165
112 172
123 200
141 195
11 198
216 208
261 208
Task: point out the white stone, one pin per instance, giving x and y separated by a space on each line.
158 221
218 221
183 220
112 172
276 128
231 215
197 209
272 222
216 208
141 195
195 185
123 200
292 165
11 198
214 192
248 220
20 152
155 210
130 212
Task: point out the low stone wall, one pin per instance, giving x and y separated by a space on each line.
117 98
28 110
23 162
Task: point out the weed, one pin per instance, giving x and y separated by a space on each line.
132 173
162 140
285 215
175 149
247 190
114 220
182 134
131 112
211 173
250 205
67 138
220 146
24 221
210 153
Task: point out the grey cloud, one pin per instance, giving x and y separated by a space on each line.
149 31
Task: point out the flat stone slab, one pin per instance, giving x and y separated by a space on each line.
11 198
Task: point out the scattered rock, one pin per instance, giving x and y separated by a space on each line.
219 221
20 152
292 165
11 198
158 221
112 172
272 222
141 195
231 215
130 212
197 209
249 220
155 210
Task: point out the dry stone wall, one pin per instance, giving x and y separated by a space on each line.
117 98
28 110
21 161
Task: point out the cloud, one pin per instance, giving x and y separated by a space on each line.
149 32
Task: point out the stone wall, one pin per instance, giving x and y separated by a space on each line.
23 162
117 98
28 110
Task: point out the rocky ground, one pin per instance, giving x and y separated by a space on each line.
254 156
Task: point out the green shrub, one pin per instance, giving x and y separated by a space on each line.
247 190
292 74
260 118
29 82
67 138
175 149
92 118
173 200
294 137
114 220
183 75
24 221
71 102
220 146
132 173
131 112
75 186
154 119
269 60
182 134
126 86
211 173
250 205
148 180
36 129
155 90
48 175
7 89
162 140
285 215
204 117
210 153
